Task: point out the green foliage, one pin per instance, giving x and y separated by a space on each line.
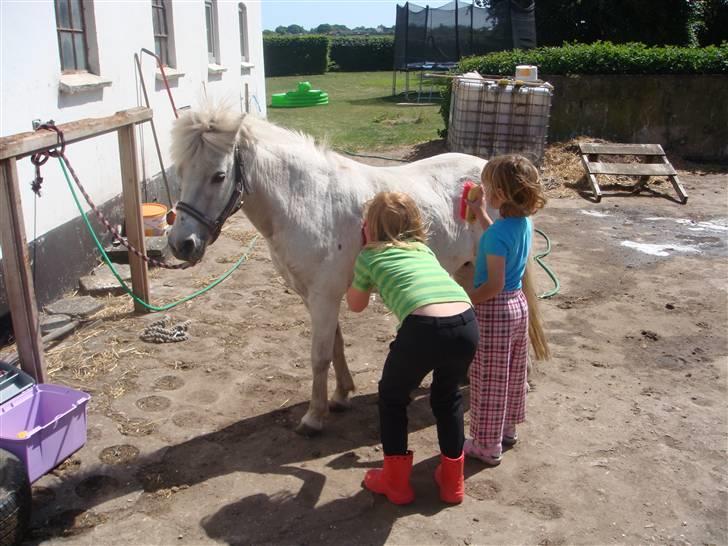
653 22
598 58
712 29
364 53
605 58
290 55
295 29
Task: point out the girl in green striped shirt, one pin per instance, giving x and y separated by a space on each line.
437 333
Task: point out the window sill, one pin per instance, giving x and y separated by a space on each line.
171 73
70 84
216 69
245 64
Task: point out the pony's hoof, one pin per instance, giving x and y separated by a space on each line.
339 407
308 431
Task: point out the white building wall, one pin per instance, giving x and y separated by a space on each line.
30 73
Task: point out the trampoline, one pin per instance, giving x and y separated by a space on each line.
435 39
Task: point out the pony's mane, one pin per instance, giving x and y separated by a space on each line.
211 131
199 134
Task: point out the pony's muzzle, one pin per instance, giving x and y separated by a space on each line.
188 249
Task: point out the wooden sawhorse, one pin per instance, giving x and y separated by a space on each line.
656 165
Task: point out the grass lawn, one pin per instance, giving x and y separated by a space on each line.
361 114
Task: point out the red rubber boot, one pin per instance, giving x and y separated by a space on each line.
393 479
449 476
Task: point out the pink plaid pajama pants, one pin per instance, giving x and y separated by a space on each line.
498 370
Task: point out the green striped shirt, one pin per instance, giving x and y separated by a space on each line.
407 278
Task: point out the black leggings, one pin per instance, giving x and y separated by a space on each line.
443 345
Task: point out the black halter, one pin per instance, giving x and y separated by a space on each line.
233 204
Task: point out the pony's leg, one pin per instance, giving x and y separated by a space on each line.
344 382
324 317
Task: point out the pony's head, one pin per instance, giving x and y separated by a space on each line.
211 178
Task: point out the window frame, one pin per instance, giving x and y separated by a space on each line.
73 31
243 24
162 10
211 25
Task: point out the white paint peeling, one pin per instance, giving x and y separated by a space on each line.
659 250
718 225
595 213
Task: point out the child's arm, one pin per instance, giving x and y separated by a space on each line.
357 295
495 283
357 300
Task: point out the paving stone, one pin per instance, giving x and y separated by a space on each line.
77 306
102 281
48 323
157 248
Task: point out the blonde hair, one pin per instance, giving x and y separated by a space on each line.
514 179
393 219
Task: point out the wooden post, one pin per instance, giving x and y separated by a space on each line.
17 275
592 179
133 214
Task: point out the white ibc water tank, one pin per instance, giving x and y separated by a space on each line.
496 117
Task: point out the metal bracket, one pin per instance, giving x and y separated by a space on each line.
37 123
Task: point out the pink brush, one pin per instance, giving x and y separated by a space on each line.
470 192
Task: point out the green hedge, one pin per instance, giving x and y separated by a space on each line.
598 58
605 58
294 55
362 53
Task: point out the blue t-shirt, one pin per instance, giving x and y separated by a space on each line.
508 237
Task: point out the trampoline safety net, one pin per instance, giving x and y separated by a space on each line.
443 35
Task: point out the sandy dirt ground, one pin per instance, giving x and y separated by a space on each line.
625 443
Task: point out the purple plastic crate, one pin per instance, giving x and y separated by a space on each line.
43 426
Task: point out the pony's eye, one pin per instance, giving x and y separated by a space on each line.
218 177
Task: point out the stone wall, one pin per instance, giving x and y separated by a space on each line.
686 114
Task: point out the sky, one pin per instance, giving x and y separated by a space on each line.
352 13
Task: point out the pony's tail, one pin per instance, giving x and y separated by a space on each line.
535 329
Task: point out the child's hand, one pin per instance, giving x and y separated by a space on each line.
478 205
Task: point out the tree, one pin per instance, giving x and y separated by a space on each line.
324 28
653 22
296 29
281 30
714 26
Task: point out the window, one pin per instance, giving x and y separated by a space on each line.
162 34
71 25
243 21
211 22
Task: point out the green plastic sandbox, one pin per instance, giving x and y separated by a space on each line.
301 97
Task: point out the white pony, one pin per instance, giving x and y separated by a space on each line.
307 201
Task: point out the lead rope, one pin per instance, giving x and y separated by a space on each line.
40 158
161 331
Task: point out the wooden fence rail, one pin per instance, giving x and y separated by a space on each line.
15 259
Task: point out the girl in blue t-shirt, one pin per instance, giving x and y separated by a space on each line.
498 371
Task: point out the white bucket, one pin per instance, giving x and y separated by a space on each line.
527 72
155 222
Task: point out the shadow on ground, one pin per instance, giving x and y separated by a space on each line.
264 444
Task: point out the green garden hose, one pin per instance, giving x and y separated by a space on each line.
551 274
126 288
